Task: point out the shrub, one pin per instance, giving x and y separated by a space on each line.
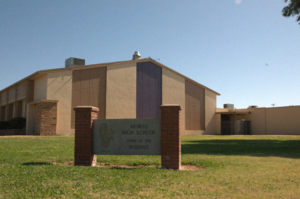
17 123
4 125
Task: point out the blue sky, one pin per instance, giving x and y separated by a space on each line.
243 49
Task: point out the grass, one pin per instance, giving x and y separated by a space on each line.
232 167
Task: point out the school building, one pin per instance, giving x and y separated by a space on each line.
132 89
125 89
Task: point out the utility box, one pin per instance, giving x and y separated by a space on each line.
72 61
231 106
253 106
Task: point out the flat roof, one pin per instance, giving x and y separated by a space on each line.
227 111
235 113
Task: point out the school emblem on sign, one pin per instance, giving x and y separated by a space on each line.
106 135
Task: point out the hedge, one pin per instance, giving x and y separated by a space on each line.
15 123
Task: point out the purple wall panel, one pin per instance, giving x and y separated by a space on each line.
146 92
158 91
149 90
152 91
139 89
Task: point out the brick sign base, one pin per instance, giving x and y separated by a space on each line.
84 116
170 136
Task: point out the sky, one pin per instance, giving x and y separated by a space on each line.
243 49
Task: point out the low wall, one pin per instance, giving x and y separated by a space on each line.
13 132
273 121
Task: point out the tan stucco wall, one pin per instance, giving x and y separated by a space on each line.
193 132
283 120
23 108
30 119
218 124
3 97
12 94
6 113
59 87
273 121
212 121
194 108
173 92
121 91
40 88
21 90
14 110
210 110
258 120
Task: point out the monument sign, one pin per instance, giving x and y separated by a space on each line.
127 137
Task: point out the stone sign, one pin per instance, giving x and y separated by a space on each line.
127 137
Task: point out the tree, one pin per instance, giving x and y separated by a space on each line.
292 9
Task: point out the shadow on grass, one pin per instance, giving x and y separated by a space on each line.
36 163
284 148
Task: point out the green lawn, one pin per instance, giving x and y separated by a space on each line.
231 167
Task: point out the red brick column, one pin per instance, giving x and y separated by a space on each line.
84 116
45 118
170 137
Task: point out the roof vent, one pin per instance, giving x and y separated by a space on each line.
136 55
72 61
231 106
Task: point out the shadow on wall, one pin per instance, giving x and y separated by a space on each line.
260 148
211 128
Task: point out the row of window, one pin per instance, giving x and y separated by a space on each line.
12 110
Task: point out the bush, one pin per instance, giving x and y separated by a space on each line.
17 123
4 125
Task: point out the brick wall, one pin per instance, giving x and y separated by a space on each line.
84 116
170 137
45 118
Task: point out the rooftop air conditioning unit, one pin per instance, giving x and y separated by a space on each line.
72 61
253 106
231 106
